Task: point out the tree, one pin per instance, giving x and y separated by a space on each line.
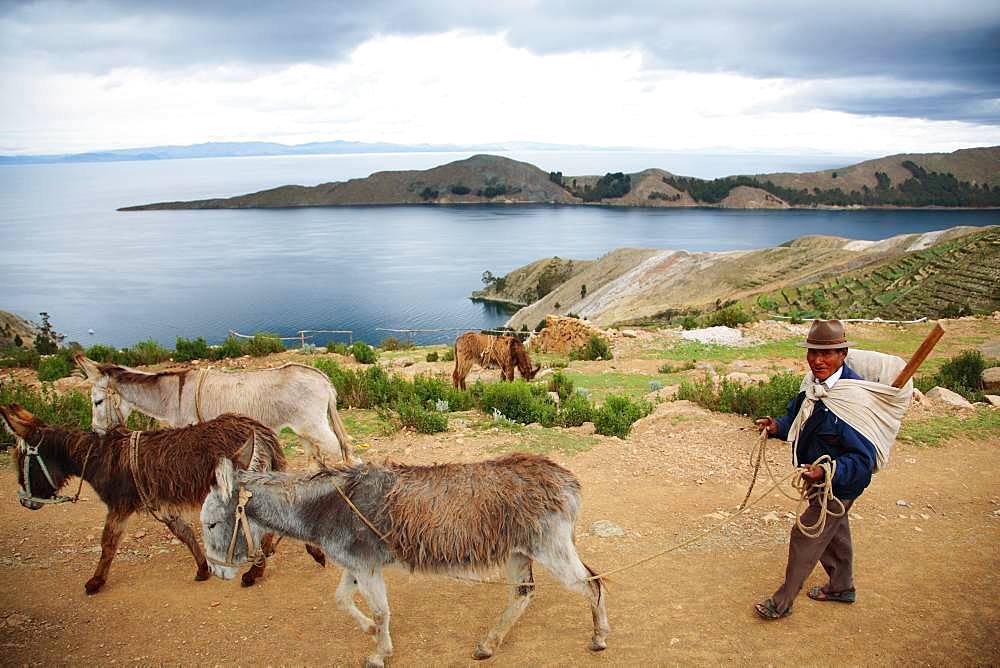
488 278
583 291
45 340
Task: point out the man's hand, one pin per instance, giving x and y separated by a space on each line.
814 473
768 423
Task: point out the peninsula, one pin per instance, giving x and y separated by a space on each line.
967 178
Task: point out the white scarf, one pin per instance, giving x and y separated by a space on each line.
873 407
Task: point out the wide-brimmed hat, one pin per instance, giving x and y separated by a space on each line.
826 335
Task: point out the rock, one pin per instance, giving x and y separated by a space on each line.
902 503
17 620
991 378
943 395
554 396
771 517
918 396
606 529
141 533
547 371
993 400
174 541
739 377
587 429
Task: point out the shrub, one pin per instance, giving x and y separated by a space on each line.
596 348
430 389
186 350
416 417
618 414
561 384
670 368
962 374
339 348
519 401
755 399
27 358
731 316
689 322
102 353
70 410
364 353
231 347
264 343
432 356
574 411
146 353
52 368
389 343
459 189
449 355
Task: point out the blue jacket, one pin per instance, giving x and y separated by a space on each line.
826 434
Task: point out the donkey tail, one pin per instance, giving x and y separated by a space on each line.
346 448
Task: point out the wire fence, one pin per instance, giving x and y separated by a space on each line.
305 335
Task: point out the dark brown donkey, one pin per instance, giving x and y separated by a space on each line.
175 467
506 352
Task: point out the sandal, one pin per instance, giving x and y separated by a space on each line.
767 610
820 594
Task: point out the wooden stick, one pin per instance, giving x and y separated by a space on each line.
918 357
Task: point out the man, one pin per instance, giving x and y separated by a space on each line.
822 433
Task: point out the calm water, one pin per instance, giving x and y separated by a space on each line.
163 274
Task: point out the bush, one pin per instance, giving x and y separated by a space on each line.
186 350
264 343
308 349
561 384
417 417
339 348
574 411
596 348
618 414
459 189
52 368
755 399
689 322
667 367
431 389
449 355
731 316
962 374
519 401
146 353
27 358
102 353
231 347
432 356
389 343
364 353
70 410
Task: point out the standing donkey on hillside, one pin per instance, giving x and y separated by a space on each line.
162 472
292 395
452 519
486 350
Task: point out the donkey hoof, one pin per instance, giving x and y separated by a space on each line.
597 645
94 585
247 580
482 652
202 575
374 662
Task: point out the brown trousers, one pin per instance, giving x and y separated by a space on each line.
832 548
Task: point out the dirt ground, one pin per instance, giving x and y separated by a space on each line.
927 566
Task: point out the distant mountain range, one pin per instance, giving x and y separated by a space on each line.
964 178
256 148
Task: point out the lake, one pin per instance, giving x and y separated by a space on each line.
163 274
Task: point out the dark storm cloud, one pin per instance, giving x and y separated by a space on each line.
956 43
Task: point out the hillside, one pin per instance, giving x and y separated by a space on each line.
947 272
964 178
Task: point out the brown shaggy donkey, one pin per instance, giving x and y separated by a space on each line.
488 351
176 467
452 519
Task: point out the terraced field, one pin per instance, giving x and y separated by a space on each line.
948 279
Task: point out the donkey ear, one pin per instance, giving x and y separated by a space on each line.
259 460
225 478
88 366
17 420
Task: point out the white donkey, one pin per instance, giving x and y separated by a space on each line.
292 395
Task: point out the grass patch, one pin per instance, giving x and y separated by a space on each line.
634 385
694 351
543 441
983 424
362 423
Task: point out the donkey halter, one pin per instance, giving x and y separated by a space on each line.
255 554
113 399
25 493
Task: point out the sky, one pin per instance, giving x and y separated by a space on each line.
861 78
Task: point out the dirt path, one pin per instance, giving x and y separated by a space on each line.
928 573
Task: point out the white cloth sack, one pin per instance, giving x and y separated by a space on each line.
872 406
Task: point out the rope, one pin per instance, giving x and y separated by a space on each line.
144 496
358 512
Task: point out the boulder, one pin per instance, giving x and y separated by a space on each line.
554 396
563 335
739 377
991 378
943 395
993 400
